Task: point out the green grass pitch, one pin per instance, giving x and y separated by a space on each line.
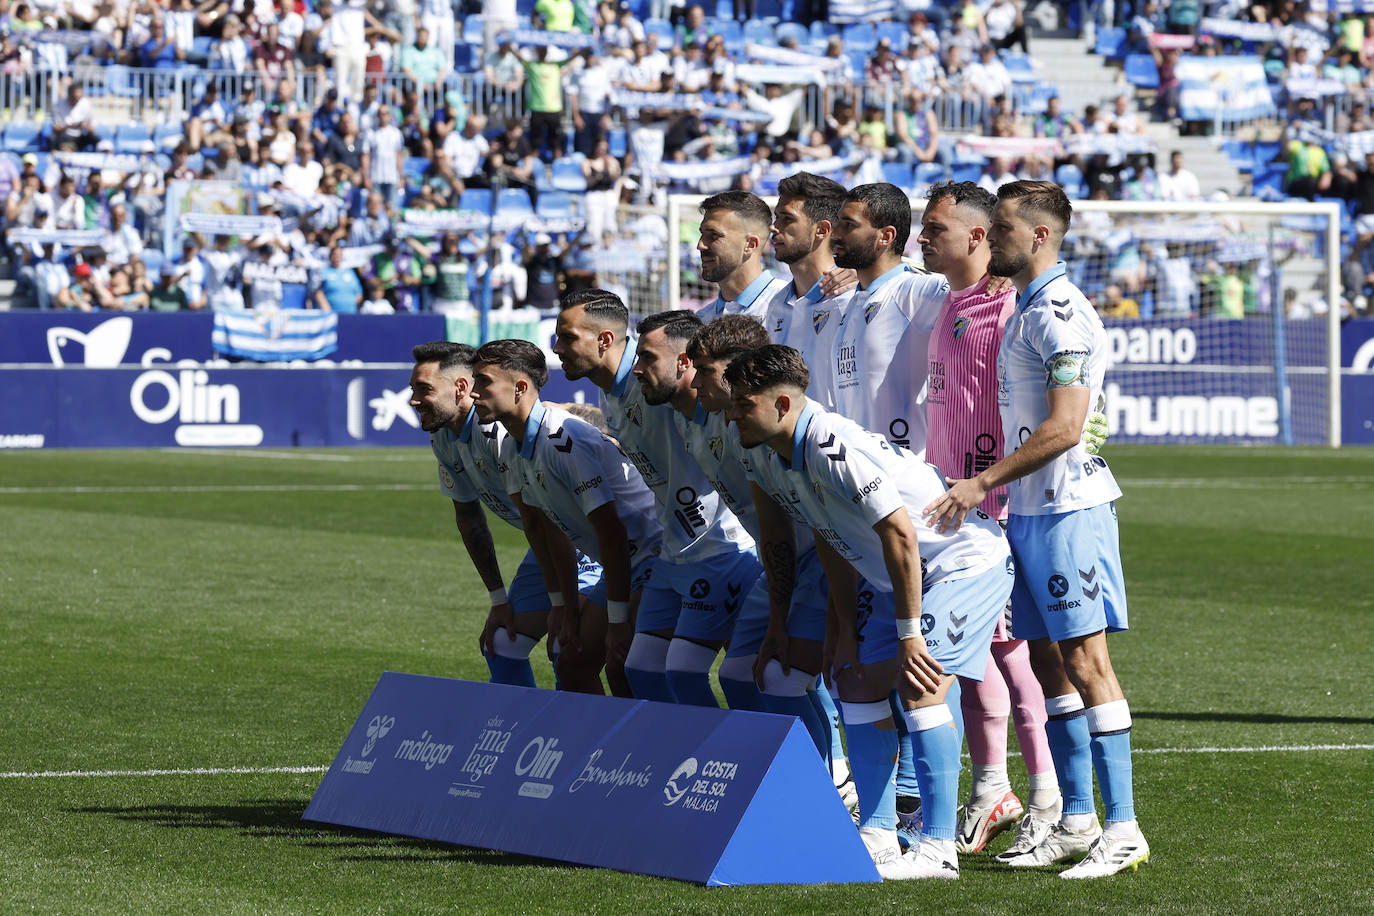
169 611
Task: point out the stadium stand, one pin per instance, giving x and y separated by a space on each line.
271 118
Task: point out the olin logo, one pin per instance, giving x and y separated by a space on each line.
209 413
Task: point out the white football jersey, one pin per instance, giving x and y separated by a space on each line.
880 354
843 480
471 467
568 468
716 449
696 522
817 347
1054 339
786 314
752 301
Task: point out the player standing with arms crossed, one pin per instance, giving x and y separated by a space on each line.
1062 526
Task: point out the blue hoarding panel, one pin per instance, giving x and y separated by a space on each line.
705 795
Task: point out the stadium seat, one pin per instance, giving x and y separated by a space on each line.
1111 43
822 32
130 137
1141 71
1268 176
860 36
513 201
119 82
929 173
966 171
21 137
1019 66
794 30
103 133
663 29
152 259
195 162
898 173
758 32
415 169
554 205
478 199
729 30
620 142
472 29
567 176
167 136
895 32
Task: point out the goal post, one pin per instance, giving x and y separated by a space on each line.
1223 317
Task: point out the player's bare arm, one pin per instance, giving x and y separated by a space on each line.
842 662
778 553
614 544
918 673
1061 431
472 528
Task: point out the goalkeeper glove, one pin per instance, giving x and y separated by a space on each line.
1096 432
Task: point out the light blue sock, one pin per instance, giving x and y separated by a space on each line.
742 694
692 688
514 671
825 705
937 770
801 707
871 753
1067 733
956 709
907 784
1110 728
649 685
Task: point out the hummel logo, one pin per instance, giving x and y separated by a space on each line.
1091 593
1088 576
566 446
829 443
958 621
954 637
734 590
731 607
1062 310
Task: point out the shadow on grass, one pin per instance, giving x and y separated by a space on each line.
1257 718
281 819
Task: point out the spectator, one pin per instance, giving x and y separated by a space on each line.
69 209
160 51
463 153
602 172
345 149
373 226
544 91
1006 25
1182 17
1123 119
1144 24
624 29
167 296
1309 170
917 130
401 272
921 33
50 277
346 38
274 61
988 76
71 120
1178 183
1114 304
231 51
121 242
208 122
422 63
223 275
554 15
543 266
190 274
384 159
1054 123
579 268
589 103
504 69
84 294
376 302
338 288
511 160
437 18
452 289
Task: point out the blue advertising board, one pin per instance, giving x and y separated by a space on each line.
718 797
1357 382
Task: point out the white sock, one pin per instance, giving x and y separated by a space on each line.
1122 828
1078 822
990 779
839 770
1044 791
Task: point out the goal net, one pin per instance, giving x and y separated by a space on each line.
1223 318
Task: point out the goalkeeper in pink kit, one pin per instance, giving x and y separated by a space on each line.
965 436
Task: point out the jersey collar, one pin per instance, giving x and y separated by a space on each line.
532 426
747 297
1039 283
701 415
622 372
465 434
884 279
799 438
813 295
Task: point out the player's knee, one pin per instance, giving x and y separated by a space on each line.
686 657
518 648
648 653
739 668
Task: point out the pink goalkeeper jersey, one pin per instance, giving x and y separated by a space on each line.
965 434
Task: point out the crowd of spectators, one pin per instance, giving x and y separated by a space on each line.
343 119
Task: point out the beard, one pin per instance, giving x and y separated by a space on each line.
1006 264
720 269
657 394
858 257
792 254
433 419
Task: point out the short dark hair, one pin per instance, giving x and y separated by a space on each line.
680 324
964 194
748 207
447 354
727 337
767 367
518 356
602 306
1040 200
885 205
821 197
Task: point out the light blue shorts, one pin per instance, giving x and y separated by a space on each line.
1068 574
698 601
805 619
529 593
592 585
958 619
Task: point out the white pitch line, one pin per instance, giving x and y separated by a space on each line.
258 771
245 488
288 455
1245 483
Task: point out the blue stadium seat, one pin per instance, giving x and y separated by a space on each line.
195 162
472 29
1141 71
759 32
663 29
895 32
1268 176
567 175
167 136
619 140
898 173
21 137
554 205
930 173
966 171
1111 43
119 82
465 58
152 259
1019 66
130 137
860 36
103 133
727 29
514 201
415 169
478 199
1070 178
794 30
822 32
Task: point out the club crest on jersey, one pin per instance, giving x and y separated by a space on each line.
635 414
871 310
716 445
539 478
818 319
816 488
960 326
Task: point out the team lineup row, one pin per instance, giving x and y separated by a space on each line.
810 474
